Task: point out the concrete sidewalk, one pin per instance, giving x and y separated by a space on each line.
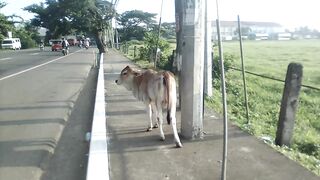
139 155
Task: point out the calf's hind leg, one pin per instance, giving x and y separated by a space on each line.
160 120
150 116
175 132
154 115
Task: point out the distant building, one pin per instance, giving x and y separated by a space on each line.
253 30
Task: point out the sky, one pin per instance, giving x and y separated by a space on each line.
288 13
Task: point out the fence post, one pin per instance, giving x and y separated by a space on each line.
134 52
289 104
127 48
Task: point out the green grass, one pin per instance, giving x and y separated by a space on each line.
271 58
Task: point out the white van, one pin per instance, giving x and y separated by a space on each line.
11 43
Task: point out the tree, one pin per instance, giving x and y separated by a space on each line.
51 16
93 18
26 36
134 24
2 4
27 33
303 30
244 30
66 16
168 30
5 25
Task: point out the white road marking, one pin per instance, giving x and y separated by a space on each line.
32 54
35 67
5 59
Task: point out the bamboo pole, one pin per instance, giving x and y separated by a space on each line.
243 73
224 101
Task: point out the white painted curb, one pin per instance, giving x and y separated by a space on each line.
98 163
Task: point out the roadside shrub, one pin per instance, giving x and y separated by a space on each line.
147 52
135 42
27 42
144 53
229 59
26 39
310 148
166 64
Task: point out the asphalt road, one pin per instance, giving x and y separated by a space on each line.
39 95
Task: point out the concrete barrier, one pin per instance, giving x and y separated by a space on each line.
98 163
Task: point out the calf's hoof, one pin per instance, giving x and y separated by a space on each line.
178 145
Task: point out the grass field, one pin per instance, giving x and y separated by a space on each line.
271 58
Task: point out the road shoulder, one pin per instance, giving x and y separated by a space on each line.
69 161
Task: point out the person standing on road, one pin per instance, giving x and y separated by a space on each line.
86 43
65 44
41 46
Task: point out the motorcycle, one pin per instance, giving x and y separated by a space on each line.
65 51
86 44
41 47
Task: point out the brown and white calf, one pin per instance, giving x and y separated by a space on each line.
158 91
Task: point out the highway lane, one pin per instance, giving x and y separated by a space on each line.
38 91
14 61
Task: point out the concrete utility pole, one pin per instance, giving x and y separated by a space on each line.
207 53
117 39
116 36
192 69
179 42
112 31
111 37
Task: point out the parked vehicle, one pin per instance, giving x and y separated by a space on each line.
72 42
55 45
11 43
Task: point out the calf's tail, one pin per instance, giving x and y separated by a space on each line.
167 82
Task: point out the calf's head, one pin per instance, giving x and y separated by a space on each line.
126 77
